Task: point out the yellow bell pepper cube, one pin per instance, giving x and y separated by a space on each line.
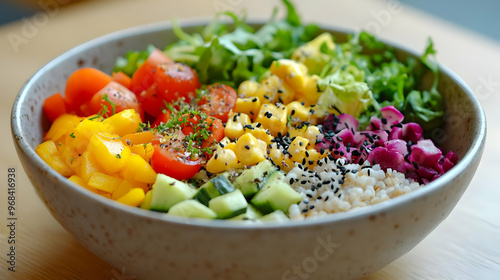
109 151
139 170
144 150
248 150
122 189
49 153
89 127
72 158
124 122
63 125
89 165
133 198
104 182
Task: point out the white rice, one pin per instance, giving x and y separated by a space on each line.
338 187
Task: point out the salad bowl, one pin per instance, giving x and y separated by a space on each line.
151 245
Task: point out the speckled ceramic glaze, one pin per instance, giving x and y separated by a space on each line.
150 245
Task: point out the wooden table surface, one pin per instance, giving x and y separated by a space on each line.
465 246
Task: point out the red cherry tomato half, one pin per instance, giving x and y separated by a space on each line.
175 80
219 102
150 101
175 164
120 96
143 76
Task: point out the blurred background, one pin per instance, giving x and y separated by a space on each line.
480 16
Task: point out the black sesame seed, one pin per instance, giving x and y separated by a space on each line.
291 181
384 120
247 147
309 195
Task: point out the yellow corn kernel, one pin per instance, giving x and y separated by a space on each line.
273 90
104 182
248 105
89 165
225 141
122 189
222 160
231 146
124 122
133 198
139 170
234 125
144 150
257 130
63 125
248 89
297 148
297 112
291 72
262 146
284 162
109 151
49 153
248 150
273 118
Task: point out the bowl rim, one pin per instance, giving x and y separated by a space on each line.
19 137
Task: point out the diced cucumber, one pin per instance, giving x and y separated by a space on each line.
168 191
275 195
229 205
193 209
146 203
250 181
251 214
215 187
276 216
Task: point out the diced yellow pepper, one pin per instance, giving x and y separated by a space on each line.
139 170
49 153
124 122
89 165
248 150
71 158
89 127
77 180
144 150
248 105
63 125
273 118
109 151
122 189
222 160
133 198
104 182
297 149
138 138
234 125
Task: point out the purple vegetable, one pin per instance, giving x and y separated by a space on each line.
425 153
391 115
412 132
386 158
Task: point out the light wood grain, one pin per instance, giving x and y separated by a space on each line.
465 246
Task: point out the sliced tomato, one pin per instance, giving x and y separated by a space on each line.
176 80
219 102
164 117
143 76
82 85
176 164
122 79
150 101
54 106
216 129
120 96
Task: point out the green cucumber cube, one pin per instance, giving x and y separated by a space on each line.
168 191
229 205
193 209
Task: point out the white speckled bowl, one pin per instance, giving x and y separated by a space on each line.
151 245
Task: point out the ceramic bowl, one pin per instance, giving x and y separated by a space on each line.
151 245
